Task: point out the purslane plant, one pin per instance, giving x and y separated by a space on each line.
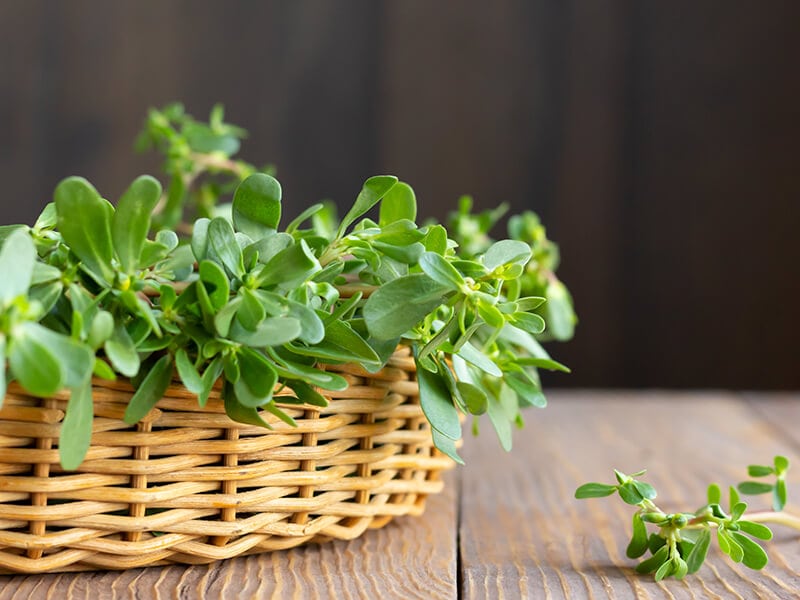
681 542
134 291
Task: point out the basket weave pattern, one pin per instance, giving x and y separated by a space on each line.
187 485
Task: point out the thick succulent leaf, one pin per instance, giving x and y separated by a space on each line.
84 220
17 262
257 206
131 221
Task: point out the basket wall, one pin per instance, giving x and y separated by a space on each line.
187 485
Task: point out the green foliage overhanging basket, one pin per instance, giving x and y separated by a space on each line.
188 390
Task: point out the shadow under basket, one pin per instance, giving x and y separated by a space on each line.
186 485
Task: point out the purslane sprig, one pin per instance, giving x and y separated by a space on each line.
681 542
132 290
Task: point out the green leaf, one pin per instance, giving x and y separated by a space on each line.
528 304
544 363
735 550
722 540
339 334
645 489
475 357
738 510
199 240
321 379
629 493
239 413
47 294
150 391
272 408
215 282
490 314
408 255
757 530
529 392
398 306
753 554
304 216
274 331
307 394
17 260
374 189
84 220
655 542
474 397
398 203
210 377
437 268
48 217
222 240
506 252
679 567
101 329
697 556
34 365
501 423
258 374
76 430
733 498
103 370
257 206
188 373
558 312
312 328
3 382
121 351
779 495
594 490
436 239
437 404
752 488
76 359
131 221
224 318
290 267
759 471
251 312
447 446
528 322
714 494
654 562
638 544
7 230
665 570
781 464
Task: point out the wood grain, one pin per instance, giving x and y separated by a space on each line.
409 558
522 534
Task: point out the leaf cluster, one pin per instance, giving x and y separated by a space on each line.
95 289
680 545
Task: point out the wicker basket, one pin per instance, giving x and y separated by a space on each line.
188 485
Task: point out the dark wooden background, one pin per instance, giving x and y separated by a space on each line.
659 141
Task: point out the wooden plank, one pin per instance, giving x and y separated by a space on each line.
411 558
523 535
778 409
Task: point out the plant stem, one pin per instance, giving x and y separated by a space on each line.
780 518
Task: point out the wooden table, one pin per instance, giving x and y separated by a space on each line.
508 526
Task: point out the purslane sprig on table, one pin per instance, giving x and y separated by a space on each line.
133 290
681 542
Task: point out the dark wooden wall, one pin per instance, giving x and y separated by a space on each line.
659 141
